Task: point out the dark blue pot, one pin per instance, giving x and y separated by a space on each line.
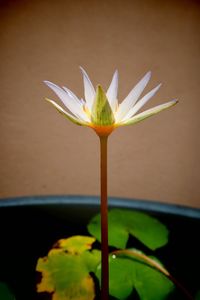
31 225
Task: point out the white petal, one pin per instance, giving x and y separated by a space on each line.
89 90
71 94
112 91
141 103
75 107
148 113
80 102
132 97
66 114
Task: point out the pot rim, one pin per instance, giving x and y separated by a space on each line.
80 200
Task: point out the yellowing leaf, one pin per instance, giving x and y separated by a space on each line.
67 274
76 244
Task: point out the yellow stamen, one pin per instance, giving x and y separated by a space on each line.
86 110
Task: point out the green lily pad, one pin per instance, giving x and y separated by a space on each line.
5 293
66 269
127 274
152 233
138 255
197 297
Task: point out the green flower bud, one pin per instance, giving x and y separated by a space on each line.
101 114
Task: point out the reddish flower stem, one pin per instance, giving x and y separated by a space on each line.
104 221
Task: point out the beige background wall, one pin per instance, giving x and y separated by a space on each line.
42 153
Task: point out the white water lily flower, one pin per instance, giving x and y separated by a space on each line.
101 111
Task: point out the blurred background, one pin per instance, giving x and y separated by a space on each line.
41 153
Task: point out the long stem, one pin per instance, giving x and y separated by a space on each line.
104 221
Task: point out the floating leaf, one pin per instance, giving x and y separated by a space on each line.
76 244
127 274
197 295
140 256
5 293
145 228
65 271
